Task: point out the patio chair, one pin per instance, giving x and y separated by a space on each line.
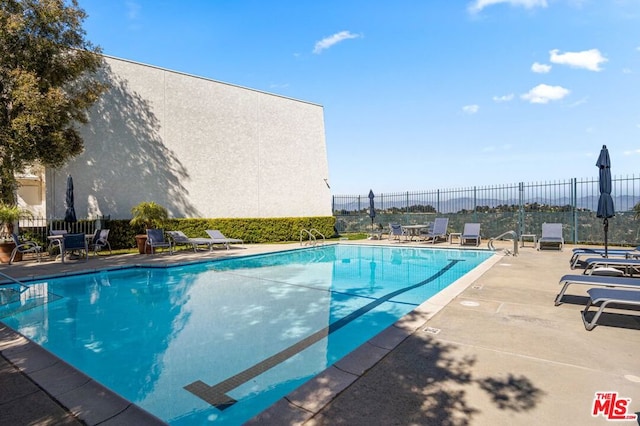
55 238
595 280
395 231
219 238
551 236
99 241
24 247
470 233
438 230
74 243
155 239
606 296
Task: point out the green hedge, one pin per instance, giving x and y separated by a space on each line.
250 230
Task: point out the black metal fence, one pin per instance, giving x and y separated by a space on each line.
38 228
521 207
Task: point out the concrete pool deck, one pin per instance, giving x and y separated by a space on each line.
494 350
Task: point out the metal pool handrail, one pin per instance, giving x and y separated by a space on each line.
512 234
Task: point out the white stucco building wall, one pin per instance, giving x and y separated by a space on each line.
199 147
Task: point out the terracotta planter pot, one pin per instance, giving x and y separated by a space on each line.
5 252
141 242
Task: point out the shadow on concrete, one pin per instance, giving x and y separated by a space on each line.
425 381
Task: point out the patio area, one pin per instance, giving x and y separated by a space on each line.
493 351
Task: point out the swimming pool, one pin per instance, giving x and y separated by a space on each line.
220 341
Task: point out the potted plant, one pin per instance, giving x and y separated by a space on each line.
151 215
9 215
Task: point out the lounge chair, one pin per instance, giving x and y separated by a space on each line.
24 247
219 238
579 252
395 231
155 239
471 232
439 230
74 243
628 267
606 296
99 241
179 237
551 236
595 280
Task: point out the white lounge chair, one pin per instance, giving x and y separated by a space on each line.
606 296
219 238
551 236
439 230
155 239
471 232
595 280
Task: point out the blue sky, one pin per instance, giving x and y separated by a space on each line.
417 95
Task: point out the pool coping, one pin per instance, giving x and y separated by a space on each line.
307 400
93 403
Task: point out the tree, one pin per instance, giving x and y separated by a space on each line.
47 84
636 211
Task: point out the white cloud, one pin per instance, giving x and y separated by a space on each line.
627 71
503 98
540 68
587 59
477 5
470 109
633 152
543 93
327 42
133 10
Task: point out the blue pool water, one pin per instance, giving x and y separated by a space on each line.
217 342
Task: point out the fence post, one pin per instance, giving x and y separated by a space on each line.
574 208
520 209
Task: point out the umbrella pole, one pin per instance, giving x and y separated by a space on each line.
606 244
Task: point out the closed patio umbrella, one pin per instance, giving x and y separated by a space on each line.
372 208
605 202
70 213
